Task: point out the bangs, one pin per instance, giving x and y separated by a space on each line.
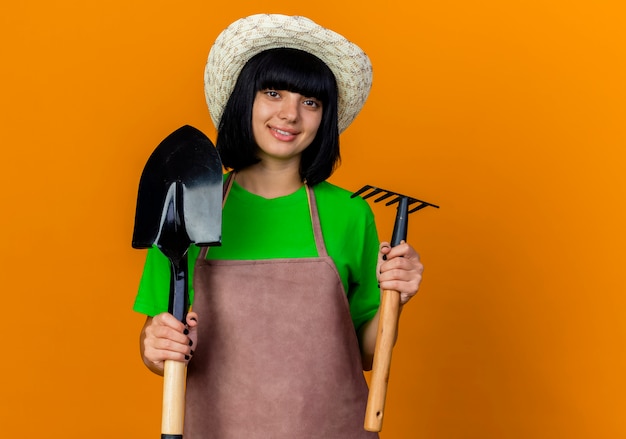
295 71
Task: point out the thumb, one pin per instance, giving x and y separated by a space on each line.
383 251
192 328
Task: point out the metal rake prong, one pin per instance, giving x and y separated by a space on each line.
411 201
375 191
360 191
395 200
384 197
420 207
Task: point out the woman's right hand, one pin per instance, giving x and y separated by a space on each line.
163 337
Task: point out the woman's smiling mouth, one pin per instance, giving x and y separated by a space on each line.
283 133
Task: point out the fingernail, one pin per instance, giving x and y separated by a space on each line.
186 331
187 357
384 257
192 352
190 342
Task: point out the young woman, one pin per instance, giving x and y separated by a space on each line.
285 311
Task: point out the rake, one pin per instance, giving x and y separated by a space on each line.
390 305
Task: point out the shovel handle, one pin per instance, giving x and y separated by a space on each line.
385 339
173 400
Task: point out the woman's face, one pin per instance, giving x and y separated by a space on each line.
284 123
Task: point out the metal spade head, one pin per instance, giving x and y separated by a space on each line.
180 194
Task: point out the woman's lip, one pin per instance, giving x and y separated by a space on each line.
284 132
285 135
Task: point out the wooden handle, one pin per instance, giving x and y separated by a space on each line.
173 399
385 339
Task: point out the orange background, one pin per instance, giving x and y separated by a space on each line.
510 115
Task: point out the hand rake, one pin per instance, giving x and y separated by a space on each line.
389 308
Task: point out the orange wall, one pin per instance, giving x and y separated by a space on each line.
510 115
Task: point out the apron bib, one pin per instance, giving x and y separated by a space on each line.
277 355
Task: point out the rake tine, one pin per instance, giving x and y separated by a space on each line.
395 200
375 191
384 197
360 191
420 207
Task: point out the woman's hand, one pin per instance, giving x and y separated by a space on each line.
163 337
399 269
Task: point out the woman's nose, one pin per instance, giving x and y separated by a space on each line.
289 107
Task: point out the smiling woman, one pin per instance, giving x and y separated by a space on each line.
281 312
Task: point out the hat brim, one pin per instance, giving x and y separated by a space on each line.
251 35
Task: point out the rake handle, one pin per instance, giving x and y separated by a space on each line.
173 400
386 335
385 339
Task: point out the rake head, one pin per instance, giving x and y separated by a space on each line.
371 191
405 204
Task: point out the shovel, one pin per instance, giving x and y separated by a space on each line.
389 308
179 203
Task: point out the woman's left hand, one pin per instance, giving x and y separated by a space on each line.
399 269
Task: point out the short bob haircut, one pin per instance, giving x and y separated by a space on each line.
281 69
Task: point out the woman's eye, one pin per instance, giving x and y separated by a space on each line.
270 93
312 103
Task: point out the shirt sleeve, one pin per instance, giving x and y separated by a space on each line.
364 293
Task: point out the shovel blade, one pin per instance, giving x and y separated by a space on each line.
186 160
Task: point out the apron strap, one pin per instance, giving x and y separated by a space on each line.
227 186
315 219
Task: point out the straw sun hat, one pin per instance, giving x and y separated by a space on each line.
251 35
